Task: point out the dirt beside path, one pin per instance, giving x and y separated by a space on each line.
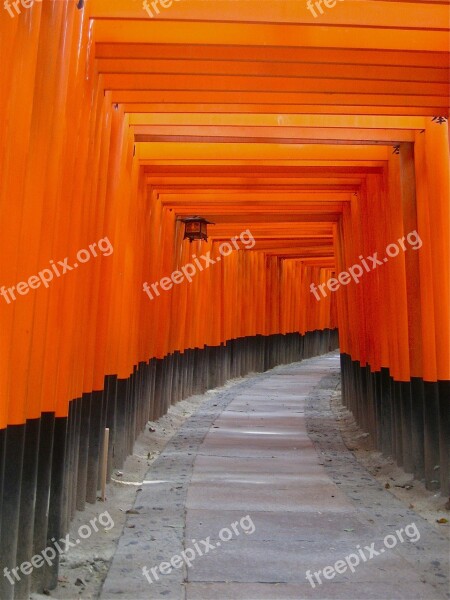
429 505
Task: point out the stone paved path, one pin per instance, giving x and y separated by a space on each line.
262 463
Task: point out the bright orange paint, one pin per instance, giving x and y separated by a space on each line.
113 125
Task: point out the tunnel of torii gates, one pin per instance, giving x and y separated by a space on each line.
314 142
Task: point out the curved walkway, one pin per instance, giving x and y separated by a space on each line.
259 493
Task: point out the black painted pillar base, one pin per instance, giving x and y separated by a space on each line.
409 421
2 470
55 528
444 436
12 480
27 503
386 413
417 427
431 435
95 437
119 453
83 451
44 476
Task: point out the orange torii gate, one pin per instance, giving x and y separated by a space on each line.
326 138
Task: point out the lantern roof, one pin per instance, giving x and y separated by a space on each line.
201 219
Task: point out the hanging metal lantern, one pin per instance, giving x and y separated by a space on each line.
195 228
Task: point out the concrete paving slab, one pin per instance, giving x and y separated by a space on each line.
265 497
282 591
280 526
257 420
268 477
247 560
275 400
290 424
254 445
227 449
243 430
223 467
